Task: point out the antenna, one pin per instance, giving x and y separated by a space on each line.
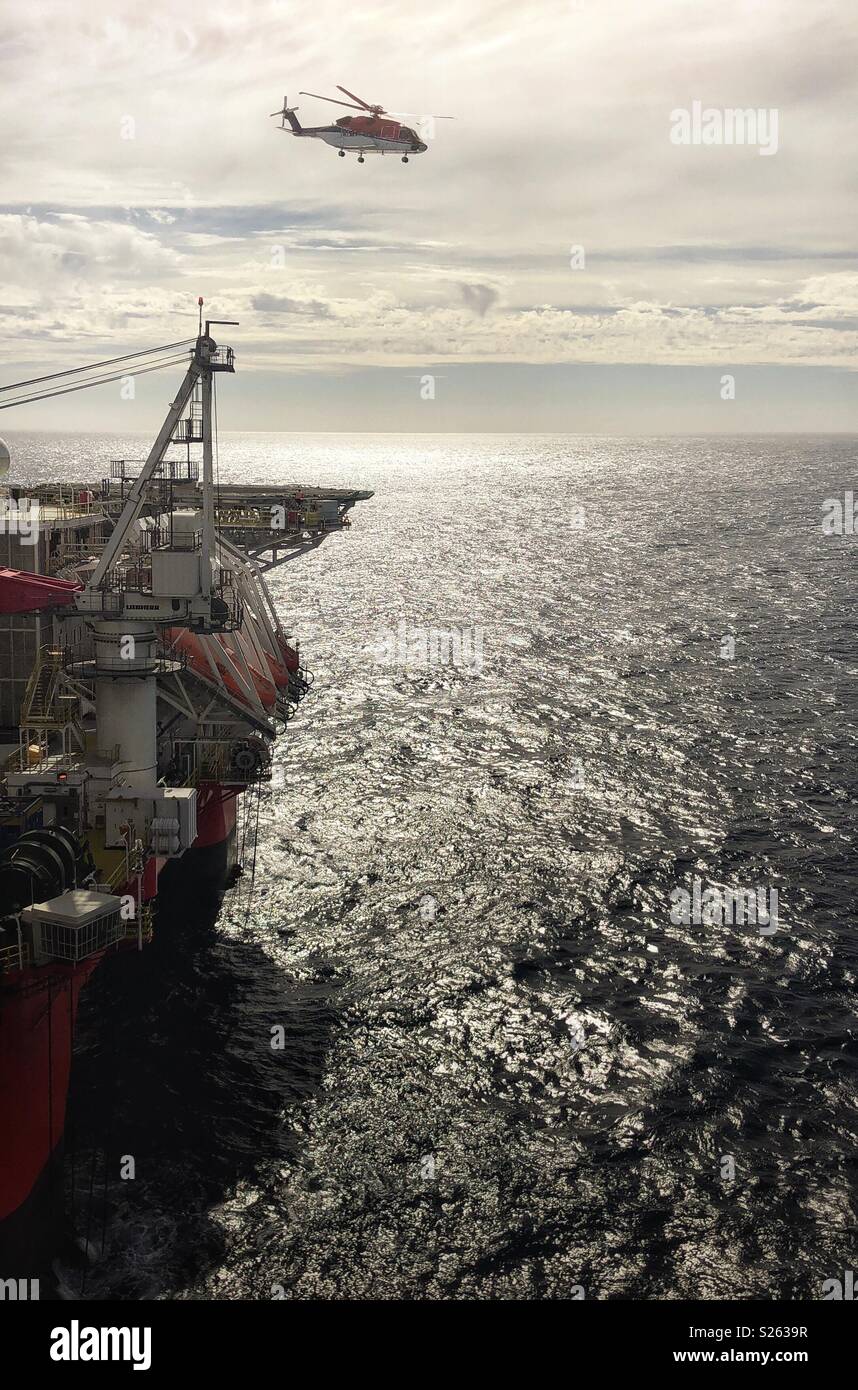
200 302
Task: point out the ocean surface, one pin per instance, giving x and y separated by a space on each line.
557 679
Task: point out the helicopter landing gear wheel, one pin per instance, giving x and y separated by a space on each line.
405 159
342 154
360 159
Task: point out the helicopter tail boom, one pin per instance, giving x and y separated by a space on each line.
288 114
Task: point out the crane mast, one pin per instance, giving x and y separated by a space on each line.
127 608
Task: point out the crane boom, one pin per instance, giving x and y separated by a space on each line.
131 510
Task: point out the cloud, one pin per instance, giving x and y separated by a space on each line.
464 254
480 298
40 254
279 304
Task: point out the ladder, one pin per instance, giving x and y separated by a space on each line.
39 705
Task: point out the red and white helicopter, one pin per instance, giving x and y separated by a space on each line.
373 132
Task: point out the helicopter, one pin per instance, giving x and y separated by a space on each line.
373 132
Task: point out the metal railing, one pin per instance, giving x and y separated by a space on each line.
227 607
222 359
37 706
136 577
69 556
189 430
165 536
14 957
163 663
23 759
140 927
236 761
67 500
175 470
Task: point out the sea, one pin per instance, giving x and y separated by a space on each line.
540 980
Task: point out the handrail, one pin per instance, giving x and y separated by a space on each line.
212 760
14 957
47 657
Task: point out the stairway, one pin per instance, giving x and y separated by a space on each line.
38 707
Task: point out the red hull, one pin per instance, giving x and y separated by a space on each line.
36 1037
215 814
38 1009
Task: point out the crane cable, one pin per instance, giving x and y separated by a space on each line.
97 366
93 381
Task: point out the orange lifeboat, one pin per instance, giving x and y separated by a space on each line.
197 650
277 666
265 687
279 672
291 658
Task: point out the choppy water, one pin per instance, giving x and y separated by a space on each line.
507 1073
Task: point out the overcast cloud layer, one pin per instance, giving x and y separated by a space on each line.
693 255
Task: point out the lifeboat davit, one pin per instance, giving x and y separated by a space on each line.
201 651
265 687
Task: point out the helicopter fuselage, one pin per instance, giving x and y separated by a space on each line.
363 141
372 133
365 135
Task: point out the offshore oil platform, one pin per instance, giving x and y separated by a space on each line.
145 675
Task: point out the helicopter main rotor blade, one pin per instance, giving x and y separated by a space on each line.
366 106
421 115
336 100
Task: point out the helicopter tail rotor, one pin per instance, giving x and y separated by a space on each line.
287 113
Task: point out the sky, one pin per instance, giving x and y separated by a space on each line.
557 260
